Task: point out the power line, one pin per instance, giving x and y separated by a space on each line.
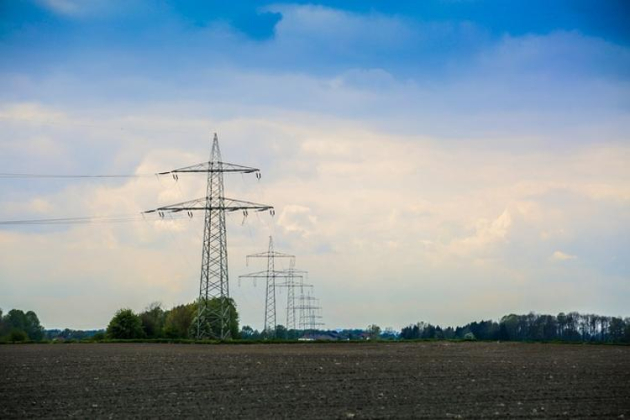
206 167
84 220
24 176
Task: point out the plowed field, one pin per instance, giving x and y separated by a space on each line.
379 380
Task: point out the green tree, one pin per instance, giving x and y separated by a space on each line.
428 332
504 334
214 305
17 320
247 332
125 325
99 336
281 332
389 334
233 325
565 326
178 321
626 331
616 328
34 330
510 327
4 328
153 319
374 331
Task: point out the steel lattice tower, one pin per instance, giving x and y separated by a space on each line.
214 305
293 281
270 275
214 281
309 313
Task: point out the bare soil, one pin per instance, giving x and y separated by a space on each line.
378 380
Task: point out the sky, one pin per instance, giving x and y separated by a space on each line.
443 161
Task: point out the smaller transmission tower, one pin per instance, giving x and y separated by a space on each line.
270 275
310 318
295 280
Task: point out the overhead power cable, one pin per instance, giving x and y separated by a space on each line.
22 175
204 167
87 220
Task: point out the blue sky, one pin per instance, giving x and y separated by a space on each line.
467 152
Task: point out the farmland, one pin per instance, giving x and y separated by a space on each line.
349 380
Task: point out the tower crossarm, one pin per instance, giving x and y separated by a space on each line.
211 166
297 273
274 254
271 255
307 307
265 274
228 205
290 283
294 278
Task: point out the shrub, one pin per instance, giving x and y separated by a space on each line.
99 336
17 335
125 325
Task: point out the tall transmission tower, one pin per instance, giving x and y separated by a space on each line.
271 274
214 305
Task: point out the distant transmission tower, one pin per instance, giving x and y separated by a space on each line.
295 280
213 313
310 317
271 274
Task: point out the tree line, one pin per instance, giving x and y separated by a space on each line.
179 322
572 327
156 322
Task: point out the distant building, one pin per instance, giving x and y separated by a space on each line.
320 336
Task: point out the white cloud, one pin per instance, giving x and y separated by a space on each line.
341 31
299 219
561 256
559 51
32 112
486 233
65 7
91 8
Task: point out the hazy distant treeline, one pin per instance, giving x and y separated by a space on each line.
75 335
572 326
